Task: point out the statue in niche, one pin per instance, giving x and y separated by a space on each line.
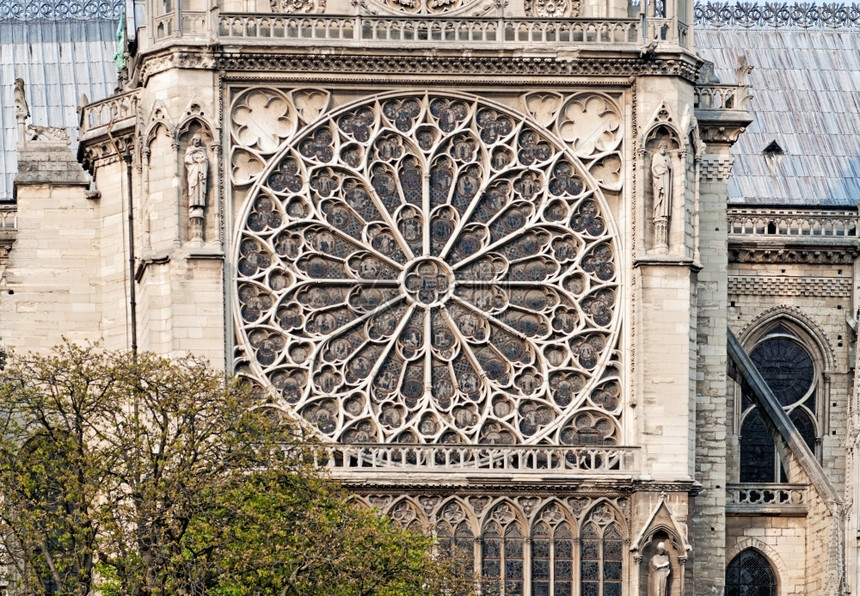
197 173
661 184
659 570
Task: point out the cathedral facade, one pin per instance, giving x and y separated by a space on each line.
484 250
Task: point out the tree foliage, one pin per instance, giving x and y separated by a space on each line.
140 476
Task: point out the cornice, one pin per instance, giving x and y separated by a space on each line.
569 486
360 67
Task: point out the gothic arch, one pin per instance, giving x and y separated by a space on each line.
407 514
791 327
765 550
799 321
451 510
599 508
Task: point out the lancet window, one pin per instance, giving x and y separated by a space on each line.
503 552
552 553
601 555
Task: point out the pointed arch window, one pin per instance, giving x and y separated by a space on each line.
455 537
789 369
601 555
750 574
552 554
502 552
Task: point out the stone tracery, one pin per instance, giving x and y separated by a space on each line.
433 269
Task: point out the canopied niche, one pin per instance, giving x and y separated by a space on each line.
665 168
420 268
195 146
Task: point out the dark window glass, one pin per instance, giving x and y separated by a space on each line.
750 574
786 367
757 450
804 425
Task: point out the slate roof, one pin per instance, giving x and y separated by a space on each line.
806 88
59 61
806 84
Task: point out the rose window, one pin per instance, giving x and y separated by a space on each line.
430 269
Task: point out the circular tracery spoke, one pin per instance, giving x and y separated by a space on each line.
432 269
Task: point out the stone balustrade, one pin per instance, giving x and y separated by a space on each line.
436 30
766 498
717 97
442 459
116 111
792 222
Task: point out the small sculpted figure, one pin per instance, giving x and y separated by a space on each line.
197 171
661 181
659 570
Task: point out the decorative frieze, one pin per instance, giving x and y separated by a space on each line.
801 256
57 10
830 15
755 285
324 66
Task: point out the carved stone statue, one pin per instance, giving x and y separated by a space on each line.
197 174
661 184
659 570
22 110
197 170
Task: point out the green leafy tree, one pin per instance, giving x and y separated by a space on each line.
142 476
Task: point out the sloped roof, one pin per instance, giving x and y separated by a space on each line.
59 61
806 84
806 88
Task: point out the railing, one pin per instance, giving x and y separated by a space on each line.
775 498
115 110
180 22
791 222
665 29
716 97
479 458
249 27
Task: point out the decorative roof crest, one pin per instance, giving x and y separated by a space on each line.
805 15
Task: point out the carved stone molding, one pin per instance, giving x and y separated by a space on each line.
716 168
798 316
753 285
552 8
829 15
799 256
478 509
310 68
102 152
719 132
298 6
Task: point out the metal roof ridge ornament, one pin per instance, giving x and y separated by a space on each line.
831 15
60 10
